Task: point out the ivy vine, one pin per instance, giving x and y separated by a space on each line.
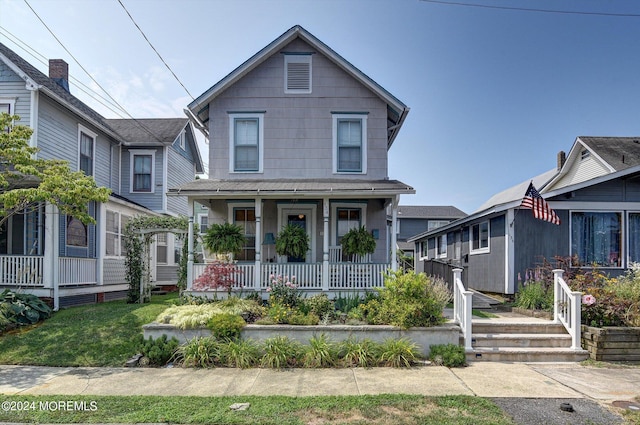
136 245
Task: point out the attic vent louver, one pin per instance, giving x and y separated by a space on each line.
297 73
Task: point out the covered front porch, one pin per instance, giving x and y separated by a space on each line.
325 209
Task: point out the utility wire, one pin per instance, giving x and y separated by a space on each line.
90 76
155 50
79 84
524 9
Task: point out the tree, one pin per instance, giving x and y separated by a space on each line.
26 181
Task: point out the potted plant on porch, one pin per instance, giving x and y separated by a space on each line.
293 242
224 239
358 242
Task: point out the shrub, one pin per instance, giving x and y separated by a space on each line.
22 309
226 326
283 290
321 352
195 316
409 299
159 351
347 303
535 295
361 353
199 352
242 353
321 306
398 352
281 352
299 318
217 275
279 313
449 355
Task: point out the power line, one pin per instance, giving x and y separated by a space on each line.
155 50
90 76
524 9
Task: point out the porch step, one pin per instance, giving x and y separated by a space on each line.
522 342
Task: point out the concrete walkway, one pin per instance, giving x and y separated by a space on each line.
483 379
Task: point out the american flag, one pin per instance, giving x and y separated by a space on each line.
532 200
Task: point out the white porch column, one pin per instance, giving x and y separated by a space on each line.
257 272
325 244
51 250
394 233
190 207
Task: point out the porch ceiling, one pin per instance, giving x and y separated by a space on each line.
209 188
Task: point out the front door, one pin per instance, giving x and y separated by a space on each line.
299 220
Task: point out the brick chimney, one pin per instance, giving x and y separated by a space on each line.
59 72
562 158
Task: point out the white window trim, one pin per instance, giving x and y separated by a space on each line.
446 246
11 101
311 211
181 140
232 151
423 254
623 229
94 136
141 152
297 59
480 250
335 119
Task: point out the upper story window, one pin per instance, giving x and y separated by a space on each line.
434 224
350 143
297 73
142 170
181 140
6 105
479 238
86 150
246 143
585 154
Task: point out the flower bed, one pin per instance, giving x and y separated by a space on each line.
612 344
447 333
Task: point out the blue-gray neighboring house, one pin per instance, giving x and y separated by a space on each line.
594 190
58 257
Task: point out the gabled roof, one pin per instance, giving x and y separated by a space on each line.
149 131
430 211
618 152
40 81
396 110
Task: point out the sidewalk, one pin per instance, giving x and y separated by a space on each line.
482 379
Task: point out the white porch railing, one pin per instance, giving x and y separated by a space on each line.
21 270
77 271
243 280
462 302
307 276
567 308
356 275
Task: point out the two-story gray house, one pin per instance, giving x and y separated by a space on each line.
300 135
59 257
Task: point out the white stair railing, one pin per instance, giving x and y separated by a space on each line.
462 301
567 308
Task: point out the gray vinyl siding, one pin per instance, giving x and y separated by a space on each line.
411 226
486 271
180 170
298 127
166 273
153 200
617 190
12 86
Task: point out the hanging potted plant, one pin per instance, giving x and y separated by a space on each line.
293 242
358 242
224 239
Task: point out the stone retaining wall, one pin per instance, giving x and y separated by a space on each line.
448 333
612 344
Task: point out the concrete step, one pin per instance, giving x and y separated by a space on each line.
491 340
489 327
527 354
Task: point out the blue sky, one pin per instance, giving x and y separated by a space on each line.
494 93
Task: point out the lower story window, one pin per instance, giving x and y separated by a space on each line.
246 219
596 238
76 232
441 246
634 237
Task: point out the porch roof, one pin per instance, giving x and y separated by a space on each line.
208 188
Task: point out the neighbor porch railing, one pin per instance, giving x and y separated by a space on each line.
567 308
21 270
462 303
77 271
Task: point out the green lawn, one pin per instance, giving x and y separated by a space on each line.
95 335
379 409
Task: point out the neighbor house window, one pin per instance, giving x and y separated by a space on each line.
480 237
434 224
142 171
77 234
424 250
246 143
246 219
596 238
634 237
113 233
7 105
86 150
203 223
161 248
350 143
297 73
441 246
